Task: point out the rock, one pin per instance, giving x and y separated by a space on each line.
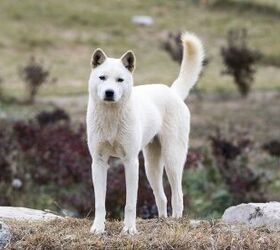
69 213
143 20
22 213
3 115
255 215
5 235
16 183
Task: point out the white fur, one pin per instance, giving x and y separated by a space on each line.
152 118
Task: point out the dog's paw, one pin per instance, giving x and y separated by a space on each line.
97 229
129 230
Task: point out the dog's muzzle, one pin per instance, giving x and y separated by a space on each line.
109 95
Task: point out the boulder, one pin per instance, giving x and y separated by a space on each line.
22 213
255 215
5 235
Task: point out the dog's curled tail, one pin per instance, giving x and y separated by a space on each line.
193 55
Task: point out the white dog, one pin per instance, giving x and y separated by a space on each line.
122 120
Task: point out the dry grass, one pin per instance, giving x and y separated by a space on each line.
153 234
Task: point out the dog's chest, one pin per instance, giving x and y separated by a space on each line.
111 132
106 127
109 139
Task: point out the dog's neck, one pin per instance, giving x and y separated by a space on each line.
108 118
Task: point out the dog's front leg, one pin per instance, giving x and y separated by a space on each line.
131 179
99 178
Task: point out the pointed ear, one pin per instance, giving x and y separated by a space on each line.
129 60
98 57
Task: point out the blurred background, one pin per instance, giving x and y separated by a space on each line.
45 49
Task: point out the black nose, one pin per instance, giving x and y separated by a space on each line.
109 95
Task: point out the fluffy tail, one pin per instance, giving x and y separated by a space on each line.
193 54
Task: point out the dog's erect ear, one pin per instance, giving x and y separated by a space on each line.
98 57
129 60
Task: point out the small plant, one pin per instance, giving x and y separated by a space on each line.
34 75
51 117
194 159
173 46
272 147
232 159
240 60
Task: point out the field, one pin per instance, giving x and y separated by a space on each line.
233 140
64 35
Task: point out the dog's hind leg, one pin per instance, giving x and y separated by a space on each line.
174 156
154 172
174 170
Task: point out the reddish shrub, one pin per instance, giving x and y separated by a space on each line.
56 155
51 156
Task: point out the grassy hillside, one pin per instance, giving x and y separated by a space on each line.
64 33
153 234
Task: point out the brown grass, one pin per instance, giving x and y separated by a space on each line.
153 234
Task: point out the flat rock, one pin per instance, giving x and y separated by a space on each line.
5 235
255 215
22 213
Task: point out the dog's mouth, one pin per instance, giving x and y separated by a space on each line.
109 99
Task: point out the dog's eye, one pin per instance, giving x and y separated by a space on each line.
120 80
103 78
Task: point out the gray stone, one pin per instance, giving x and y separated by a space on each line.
255 215
5 235
17 183
22 213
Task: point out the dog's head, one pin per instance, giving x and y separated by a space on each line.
111 79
